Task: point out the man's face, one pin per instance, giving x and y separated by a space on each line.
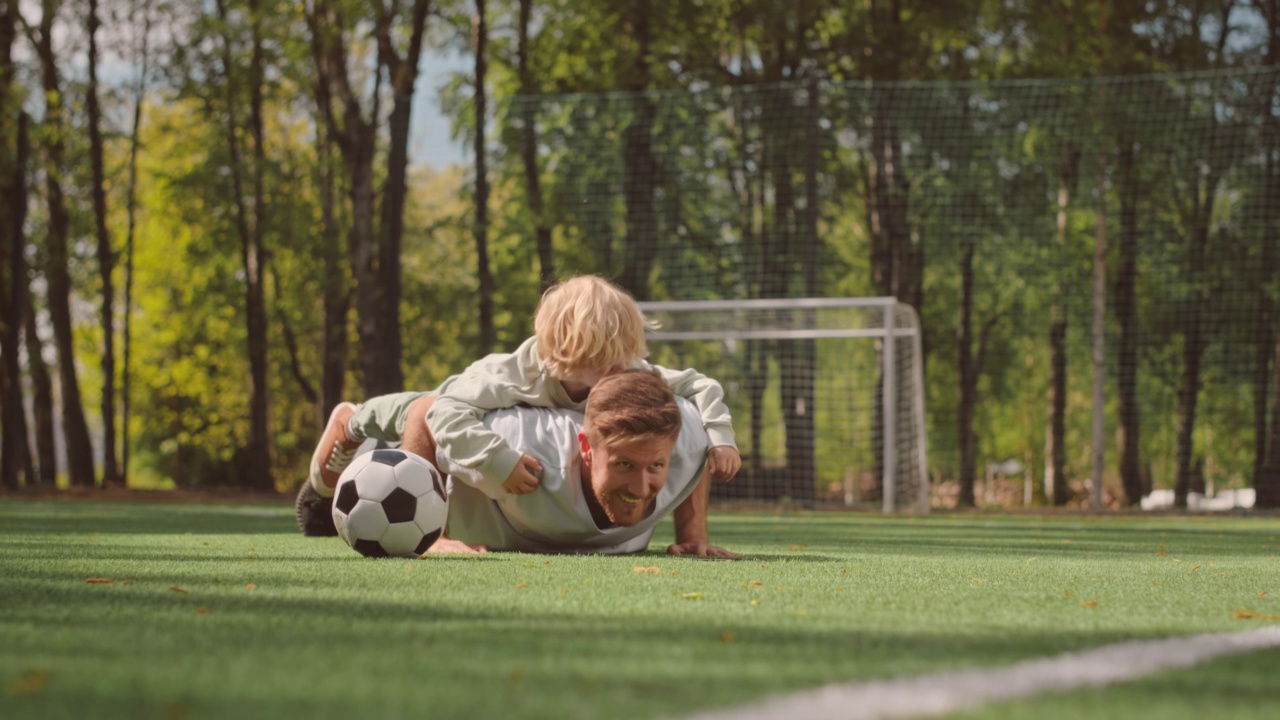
626 476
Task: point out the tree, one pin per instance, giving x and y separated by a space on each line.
1266 474
250 224
376 257
480 41
131 194
12 276
14 295
106 255
55 131
529 149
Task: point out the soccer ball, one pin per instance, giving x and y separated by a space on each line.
390 503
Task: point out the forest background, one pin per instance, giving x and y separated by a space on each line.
212 230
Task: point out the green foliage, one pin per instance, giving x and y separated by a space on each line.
982 162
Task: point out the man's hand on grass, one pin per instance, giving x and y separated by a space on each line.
449 545
700 549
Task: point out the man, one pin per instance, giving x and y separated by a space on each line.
609 475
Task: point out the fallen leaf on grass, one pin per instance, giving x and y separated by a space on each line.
99 581
728 636
250 586
30 682
521 586
200 611
1197 567
755 602
1247 614
797 546
756 583
1161 552
177 589
1089 604
976 581
1067 595
691 596
647 570
675 573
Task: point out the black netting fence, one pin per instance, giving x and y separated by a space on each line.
984 206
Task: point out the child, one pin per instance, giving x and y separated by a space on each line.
585 329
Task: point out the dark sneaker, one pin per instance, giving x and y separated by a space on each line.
334 451
314 513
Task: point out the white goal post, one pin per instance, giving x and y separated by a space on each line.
827 394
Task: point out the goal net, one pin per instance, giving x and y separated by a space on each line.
827 395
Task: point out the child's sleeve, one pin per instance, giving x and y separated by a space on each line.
456 418
708 396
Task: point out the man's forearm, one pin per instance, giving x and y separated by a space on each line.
690 516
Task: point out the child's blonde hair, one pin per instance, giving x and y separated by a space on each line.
587 322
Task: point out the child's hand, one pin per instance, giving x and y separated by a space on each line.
522 479
723 462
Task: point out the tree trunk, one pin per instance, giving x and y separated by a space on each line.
256 467
1266 464
1188 396
356 138
106 258
75 430
529 151
337 291
800 366
1099 336
640 179
968 381
131 204
1126 282
41 404
480 40
1055 479
896 265
1193 348
403 74
14 294
255 259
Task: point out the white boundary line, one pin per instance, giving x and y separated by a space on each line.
946 692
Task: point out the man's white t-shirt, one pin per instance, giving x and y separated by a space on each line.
555 516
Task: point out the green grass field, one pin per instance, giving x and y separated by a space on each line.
224 611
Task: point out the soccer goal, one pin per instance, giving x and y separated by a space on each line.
827 395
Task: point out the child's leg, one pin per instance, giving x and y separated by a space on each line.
382 417
417 438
